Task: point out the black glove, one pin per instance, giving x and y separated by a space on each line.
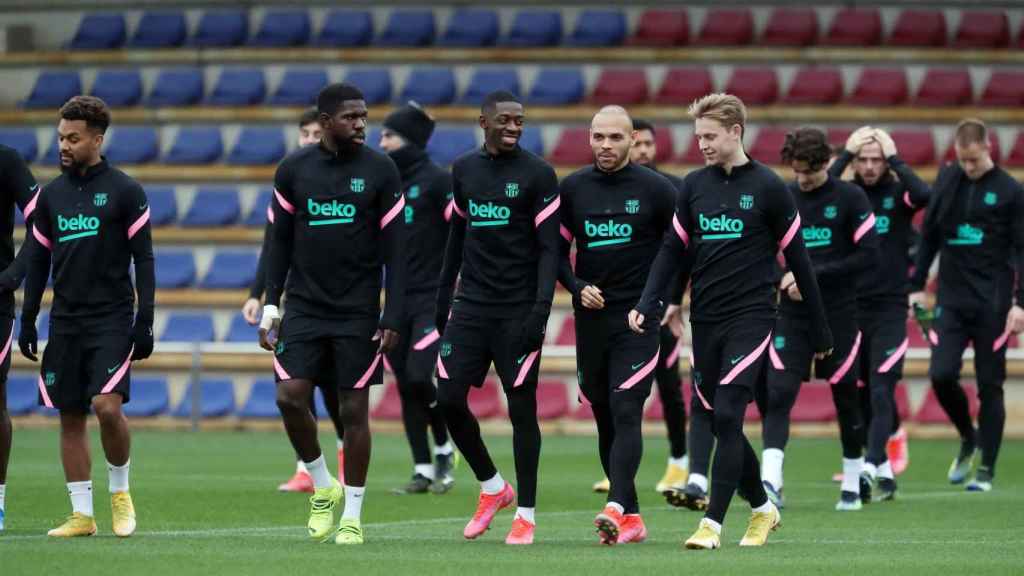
442 308
142 339
531 337
28 338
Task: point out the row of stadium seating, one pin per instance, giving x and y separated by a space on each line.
481 27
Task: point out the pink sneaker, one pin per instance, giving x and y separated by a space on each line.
341 466
486 508
608 524
300 482
521 532
898 451
632 529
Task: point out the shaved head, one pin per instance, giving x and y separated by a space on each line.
611 137
613 114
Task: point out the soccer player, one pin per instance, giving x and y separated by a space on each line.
309 133
504 242
428 191
94 220
896 194
337 224
734 215
975 220
838 229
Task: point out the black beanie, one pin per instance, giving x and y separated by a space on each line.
412 123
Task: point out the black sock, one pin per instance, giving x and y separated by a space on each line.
782 391
883 410
522 411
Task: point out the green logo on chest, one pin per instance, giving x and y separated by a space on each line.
446 349
100 199
831 212
780 342
79 225
50 378
488 214
990 198
408 214
357 185
967 235
723 227
632 206
746 201
413 193
334 211
815 237
882 224
888 203
511 189
610 232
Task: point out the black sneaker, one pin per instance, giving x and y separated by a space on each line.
692 497
419 484
444 464
865 488
886 489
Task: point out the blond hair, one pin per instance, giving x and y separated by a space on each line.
726 109
971 131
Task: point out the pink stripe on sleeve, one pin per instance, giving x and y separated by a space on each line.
41 238
547 212
138 224
284 203
864 228
270 213
776 361
565 233
793 229
448 211
393 213
999 343
31 206
457 210
680 231
441 371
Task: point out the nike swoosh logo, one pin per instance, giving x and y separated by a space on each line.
865 216
428 330
521 358
144 206
635 366
112 370
736 360
549 198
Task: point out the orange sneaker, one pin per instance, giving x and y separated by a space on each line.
300 482
341 466
521 532
486 508
898 451
632 529
608 524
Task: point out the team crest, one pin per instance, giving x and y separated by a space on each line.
831 212
280 347
446 349
990 198
746 201
888 203
100 199
632 206
357 185
511 189
780 342
413 192
50 378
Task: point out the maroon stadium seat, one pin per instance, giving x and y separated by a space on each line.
1004 88
692 155
814 403
791 27
662 28
880 87
485 402
945 87
993 142
768 144
727 27
855 27
573 148
552 401
916 147
583 411
815 86
931 411
655 411
753 414
1016 156
919 28
389 407
982 30
838 136
684 85
663 139
567 333
902 401
622 86
755 86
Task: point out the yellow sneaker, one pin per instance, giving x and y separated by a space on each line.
76 525
675 477
602 486
321 510
123 514
349 532
761 524
705 538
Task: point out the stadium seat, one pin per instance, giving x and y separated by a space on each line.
133 145
389 407
160 30
755 86
654 411
902 401
43 326
216 399
231 269
487 80
238 87
665 143
692 154
52 155
213 207
581 410
262 401
931 411
854 27
53 88
814 403
485 401
118 87
447 144
768 144
239 331
573 148
815 86
299 87
599 28
149 397
196 145
222 28
471 27
535 28
791 27
1005 88
177 87
258 146
22 395
982 30
621 86
282 28
346 28
661 28
557 87
99 31
22 140
375 84
916 147
408 28
945 87
566 332
188 327
727 27
919 28
1016 156
837 136
175 269
532 141
258 215
552 400
880 87
163 205
684 85
429 86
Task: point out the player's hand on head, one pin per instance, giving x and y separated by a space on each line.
270 324
142 341
1015 320
251 311
591 297
28 340
887 143
859 138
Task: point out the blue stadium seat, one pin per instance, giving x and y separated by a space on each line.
375 83
238 87
175 268
43 326
133 145
299 87
160 30
346 28
557 87
535 28
408 28
222 28
216 399
99 31
318 401
53 88
149 397
188 327
447 144
231 269
599 28
24 141
373 139
22 394
163 205
471 28
213 207
487 80
118 87
177 87
531 140
258 215
262 401
283 28
429 86
240 330
258 145
196 145
52 155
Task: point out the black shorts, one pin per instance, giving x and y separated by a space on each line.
471 342
954 328
729 353
611 359
85 358
7 333
792 350
884 341
415 356
339 351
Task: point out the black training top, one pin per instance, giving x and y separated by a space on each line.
428 209
17 188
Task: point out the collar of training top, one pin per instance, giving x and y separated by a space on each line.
408 157
90 172
510 154
340 157
749 165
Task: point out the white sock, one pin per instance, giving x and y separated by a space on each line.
700 480
871 470
300 467
683 462
763 507
318 470
616 506
424 470
525 514
713 525
340 444
494 485
885 470
353 502
444 449
771 466
81 497
3 495
851 474
118 476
